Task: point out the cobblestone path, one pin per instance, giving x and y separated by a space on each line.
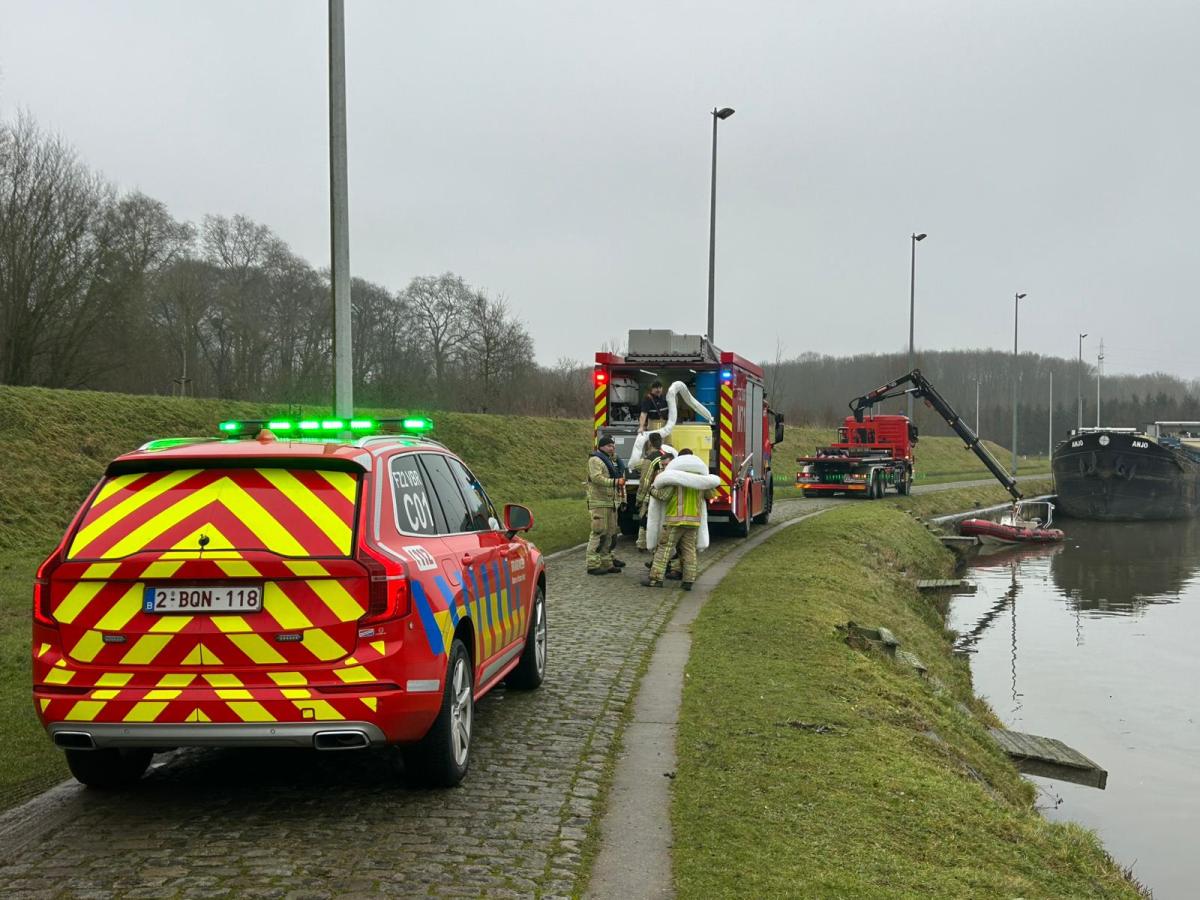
268 823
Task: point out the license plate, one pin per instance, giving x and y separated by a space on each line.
192 598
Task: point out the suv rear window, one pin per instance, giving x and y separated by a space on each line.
292 512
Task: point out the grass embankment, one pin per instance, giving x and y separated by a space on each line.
939 459
810 769
55 444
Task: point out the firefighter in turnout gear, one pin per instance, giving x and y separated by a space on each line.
683 489
605 493
647 470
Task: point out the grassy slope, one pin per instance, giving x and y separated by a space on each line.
905 796
55 445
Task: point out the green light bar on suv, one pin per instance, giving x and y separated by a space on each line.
324 427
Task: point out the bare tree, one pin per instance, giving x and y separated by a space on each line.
496 349
439 305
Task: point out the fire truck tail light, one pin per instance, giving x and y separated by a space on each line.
600 378
387 596
726 375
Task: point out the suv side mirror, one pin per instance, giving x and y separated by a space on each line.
517 518
778 428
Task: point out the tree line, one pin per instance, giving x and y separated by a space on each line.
106 290
816 389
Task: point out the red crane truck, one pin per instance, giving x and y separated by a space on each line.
739 442
873 453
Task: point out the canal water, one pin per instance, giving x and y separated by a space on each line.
1096 642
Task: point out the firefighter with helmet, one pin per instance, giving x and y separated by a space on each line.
605 494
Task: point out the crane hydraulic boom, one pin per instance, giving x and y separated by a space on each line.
922 388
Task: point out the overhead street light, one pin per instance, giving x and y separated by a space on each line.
912 305
718 114
1016 310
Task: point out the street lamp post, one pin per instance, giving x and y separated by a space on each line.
912 306
717 114
1016 309
1079 380
339 218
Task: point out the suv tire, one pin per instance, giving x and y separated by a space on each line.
110 768
442 757
531 670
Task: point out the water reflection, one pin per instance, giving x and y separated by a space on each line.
1091 642
1117 568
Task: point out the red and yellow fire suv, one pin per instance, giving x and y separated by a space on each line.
291 583
737 445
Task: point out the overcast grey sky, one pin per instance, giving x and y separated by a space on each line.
558 153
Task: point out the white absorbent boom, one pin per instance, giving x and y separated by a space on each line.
677 389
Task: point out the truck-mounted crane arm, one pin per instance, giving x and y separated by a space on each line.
922 388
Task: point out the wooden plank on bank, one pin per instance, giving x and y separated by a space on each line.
945 584
1049 757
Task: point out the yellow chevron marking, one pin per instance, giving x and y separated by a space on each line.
122 611
338 599
601 390
161 694
306 568
216 541
231 624
176 679
135 501
234 694
170 624
238 568
44 647
258 650
282 678
197 716
600 406
193 658
282 609
84 711
100 571
251 712
321 709
88 646
160 569
114 679
377 646
144 711
343 482
297 693
356 675
147 647
321 515
43 704
76 600
222 680
113 485
726 455
321 645
106 694
230 495
371 702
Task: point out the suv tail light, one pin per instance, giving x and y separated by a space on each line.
41 589
388 596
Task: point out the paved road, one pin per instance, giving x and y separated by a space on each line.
258 823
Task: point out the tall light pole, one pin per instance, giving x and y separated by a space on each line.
1079 379
1050 452
912 307
1099 368
339 214
717 114
1016 310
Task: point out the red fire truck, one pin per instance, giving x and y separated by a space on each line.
737 444
873 452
